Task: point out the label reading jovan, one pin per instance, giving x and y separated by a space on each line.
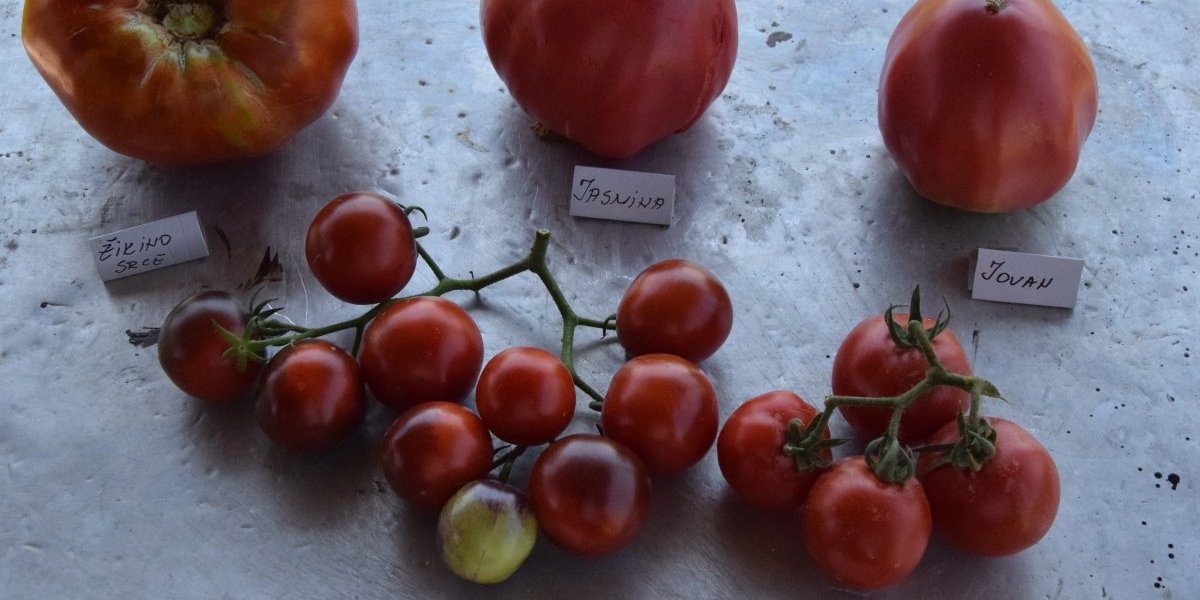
1026 278
623 195
148 247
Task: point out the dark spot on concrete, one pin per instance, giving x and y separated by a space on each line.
778 36
1173 479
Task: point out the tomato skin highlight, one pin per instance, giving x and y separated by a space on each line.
1004 508
360 246
311 396
986 110
190 348
432 450
675 307
525 396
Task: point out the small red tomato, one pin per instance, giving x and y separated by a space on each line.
311 396
869 363
591 494
750 451
1005 507
863 532
525 396
675 307
432 450
419 350
664 409
191 348
360 246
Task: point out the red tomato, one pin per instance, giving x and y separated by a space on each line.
868 363
525 396
192 82
614 76
664 409
434 449
419 350
750 451
676 307
1004 508
985 104
591 494
863 532
311 396
190 348
361 248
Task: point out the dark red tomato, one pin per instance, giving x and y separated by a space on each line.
434 449
361 248
311 396
676 307
613 76
525 396
985 104
1005 507
863 532
869 363
191 348
591 494
750 451
419 350
664 409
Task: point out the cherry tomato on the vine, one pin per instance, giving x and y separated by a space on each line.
432 450
191 348
664 408
861 531
486 531
311 396
360 246
525 396
750 451
675 307
1005 507
869 363
420 350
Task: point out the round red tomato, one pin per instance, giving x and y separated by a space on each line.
421 349
664 409
863 532
612 76
434 449
750 451
1005 507
677 307
191 349
869 363
360 246
192 82
985 104
525 396
590 494
311 396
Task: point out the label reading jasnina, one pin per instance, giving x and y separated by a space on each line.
1021 278
150 246
623 195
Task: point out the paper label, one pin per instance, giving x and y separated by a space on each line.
623 195
1021 278
148 247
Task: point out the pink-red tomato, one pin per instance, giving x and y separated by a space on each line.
1005 507
750 451
591 494
183 83
361 248
663 408
432 450
869 363
311 396
863 532
525 396
985 104
191 348
675 307
420 350
613 76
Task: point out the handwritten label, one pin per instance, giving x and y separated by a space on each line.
148 247
1022 278
623 195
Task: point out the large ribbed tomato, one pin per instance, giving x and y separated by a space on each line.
985 104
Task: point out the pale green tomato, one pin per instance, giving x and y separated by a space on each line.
486 530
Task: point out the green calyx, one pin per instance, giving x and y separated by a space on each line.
904 335
194 20
976 446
